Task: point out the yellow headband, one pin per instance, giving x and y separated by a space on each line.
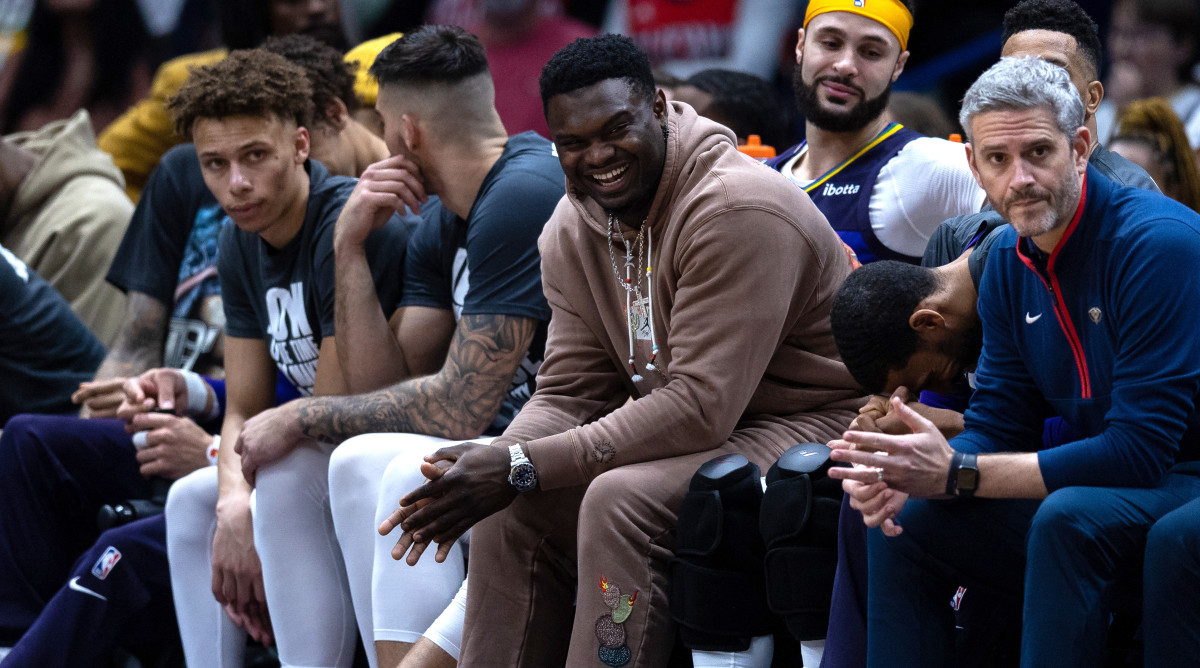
366 88
891 13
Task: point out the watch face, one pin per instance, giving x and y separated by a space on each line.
968 478
523 477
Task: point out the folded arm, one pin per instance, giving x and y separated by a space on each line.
457 402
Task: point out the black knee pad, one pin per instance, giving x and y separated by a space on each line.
718 595
117 514
799 521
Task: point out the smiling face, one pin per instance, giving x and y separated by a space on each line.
845 67
1031 171
610 142
254 166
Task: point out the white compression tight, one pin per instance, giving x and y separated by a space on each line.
394 602
447 630
209 637
303 574
758 655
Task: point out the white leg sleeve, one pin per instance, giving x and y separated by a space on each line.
758 655
303 574
209 637
355 470
407 599
446 631
811 652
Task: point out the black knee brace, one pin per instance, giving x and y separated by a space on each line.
717 589
799 521
116 514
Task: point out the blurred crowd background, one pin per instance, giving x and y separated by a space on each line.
62 55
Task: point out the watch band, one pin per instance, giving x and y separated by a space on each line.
963 478
952 474
521 473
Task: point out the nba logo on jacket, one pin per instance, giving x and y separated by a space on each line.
105 563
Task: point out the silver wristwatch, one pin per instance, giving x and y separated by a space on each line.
521 475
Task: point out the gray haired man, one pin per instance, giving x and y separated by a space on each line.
1089 307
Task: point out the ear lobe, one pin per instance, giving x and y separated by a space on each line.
1095 95
338 115
302 144
660 104
900 61
925 320
410 132
1083 147
971 164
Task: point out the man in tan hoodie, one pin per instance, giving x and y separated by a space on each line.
690 289
63 212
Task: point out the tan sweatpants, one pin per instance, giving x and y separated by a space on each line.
579 576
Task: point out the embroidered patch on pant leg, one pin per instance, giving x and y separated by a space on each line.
610 627
615 657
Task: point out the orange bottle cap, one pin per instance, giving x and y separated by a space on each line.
756 149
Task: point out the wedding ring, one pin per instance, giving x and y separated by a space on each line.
879 472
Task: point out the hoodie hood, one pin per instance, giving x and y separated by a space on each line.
689 137
65 150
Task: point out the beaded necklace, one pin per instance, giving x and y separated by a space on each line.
633 289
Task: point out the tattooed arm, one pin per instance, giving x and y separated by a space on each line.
138 348
139 345
457 402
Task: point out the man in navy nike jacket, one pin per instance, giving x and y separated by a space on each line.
1090 307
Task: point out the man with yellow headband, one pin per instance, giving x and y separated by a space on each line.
884 188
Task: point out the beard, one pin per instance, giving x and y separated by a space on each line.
962 348
1062 202
850 120
967 347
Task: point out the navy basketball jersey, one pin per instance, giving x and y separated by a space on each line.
843 193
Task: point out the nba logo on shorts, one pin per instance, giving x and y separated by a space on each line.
956 600
105 563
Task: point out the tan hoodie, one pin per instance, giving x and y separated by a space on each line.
67 218
744 270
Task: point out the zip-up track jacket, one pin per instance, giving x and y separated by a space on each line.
1106 334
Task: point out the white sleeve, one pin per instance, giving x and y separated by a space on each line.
447 630
209 637
928 181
